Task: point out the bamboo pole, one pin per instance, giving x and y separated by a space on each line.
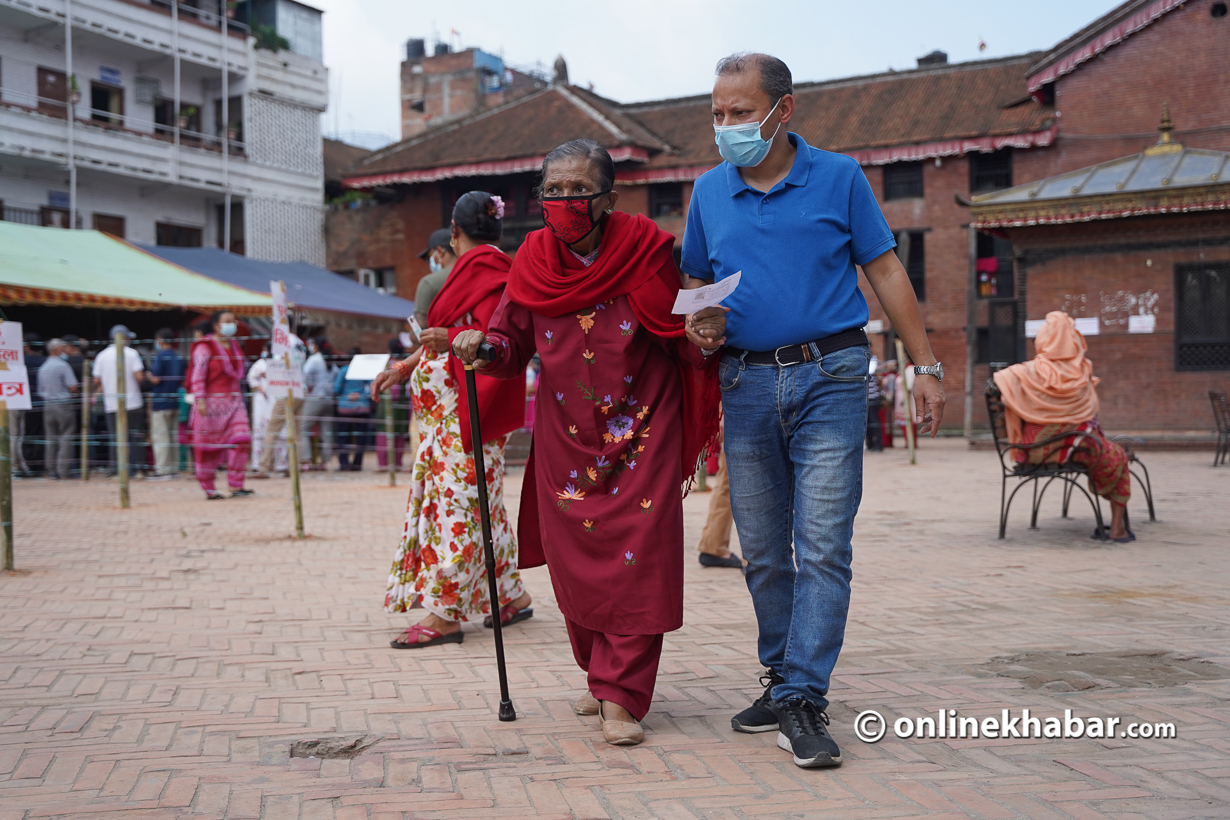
292 456
6 486
389 448
121 419
909 401
86 401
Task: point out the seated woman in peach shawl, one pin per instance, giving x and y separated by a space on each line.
1054 394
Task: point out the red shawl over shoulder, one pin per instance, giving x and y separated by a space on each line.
636 261
475 287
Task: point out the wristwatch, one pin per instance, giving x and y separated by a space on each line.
936 370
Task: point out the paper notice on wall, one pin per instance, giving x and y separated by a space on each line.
1087 326
1032 326
14 380
1142 324
690 301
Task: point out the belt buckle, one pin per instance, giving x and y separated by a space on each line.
777 357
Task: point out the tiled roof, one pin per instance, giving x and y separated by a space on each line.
527 127
1109 29
339 156
947 103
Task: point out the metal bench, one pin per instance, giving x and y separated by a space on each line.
1221 413
1041 476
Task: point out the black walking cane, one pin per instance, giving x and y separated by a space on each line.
486 351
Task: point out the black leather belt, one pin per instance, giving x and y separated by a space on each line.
806 352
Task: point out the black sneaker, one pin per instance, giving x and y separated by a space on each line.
759 717
803 734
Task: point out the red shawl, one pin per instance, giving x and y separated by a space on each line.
475 287
637 260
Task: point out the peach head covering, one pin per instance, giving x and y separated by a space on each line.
1056 386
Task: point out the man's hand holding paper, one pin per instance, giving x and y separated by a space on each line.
706 322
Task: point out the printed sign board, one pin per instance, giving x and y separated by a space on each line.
285 375
14 380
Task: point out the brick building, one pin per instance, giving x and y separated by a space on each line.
1147 233
928 139
448 85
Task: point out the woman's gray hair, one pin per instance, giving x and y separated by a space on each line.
595 154
775 79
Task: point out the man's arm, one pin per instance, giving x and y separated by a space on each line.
892 287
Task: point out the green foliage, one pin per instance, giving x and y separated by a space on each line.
267 37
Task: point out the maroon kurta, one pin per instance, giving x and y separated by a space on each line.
606 461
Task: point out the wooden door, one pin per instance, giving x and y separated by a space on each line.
113 225
52 92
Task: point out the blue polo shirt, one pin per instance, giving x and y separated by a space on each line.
797 246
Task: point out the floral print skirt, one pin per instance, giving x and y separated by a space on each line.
440 561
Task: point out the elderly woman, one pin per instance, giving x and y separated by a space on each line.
624 410
219 421
439 563
1054 394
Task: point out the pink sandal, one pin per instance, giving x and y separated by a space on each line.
509 614
418 629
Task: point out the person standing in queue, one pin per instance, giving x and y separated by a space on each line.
627 407
797 222
439 564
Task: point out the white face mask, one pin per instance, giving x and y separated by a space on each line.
228 328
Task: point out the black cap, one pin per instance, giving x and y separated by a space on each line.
440 238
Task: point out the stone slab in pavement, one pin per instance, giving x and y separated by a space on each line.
160 662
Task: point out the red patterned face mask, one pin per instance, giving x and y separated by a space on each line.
570 217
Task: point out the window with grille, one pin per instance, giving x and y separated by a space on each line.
666 199
903 180
912 253
990 172
1202 337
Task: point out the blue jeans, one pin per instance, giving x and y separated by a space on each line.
794 455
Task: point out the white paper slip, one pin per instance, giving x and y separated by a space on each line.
1032 326
366 366
690 301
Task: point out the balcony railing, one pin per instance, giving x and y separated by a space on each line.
208 13
23 216
87 117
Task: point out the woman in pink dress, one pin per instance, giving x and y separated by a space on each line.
219 420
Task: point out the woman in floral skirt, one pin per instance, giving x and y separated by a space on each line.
439 564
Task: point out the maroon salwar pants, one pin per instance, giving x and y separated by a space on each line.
207 461
622 668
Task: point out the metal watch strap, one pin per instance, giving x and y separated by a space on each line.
936 370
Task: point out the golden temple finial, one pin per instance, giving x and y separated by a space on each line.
1165 144
1167 125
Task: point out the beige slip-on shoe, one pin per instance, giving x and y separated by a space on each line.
585 705
620 733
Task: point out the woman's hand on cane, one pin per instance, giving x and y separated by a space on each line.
465 347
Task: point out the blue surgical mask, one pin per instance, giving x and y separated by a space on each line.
64 356
435 266
228 328
741 145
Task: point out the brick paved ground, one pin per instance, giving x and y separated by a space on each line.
159 662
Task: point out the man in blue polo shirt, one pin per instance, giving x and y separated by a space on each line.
795 221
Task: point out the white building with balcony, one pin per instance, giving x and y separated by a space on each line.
112 117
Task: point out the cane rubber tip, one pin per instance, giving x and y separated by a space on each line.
507 713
